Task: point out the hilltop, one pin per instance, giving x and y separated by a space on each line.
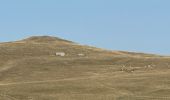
45 39
31 70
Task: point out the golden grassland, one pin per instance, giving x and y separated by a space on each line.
30 70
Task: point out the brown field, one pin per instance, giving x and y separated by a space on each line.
30 70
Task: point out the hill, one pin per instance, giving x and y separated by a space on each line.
31 70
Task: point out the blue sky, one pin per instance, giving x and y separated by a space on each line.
130 25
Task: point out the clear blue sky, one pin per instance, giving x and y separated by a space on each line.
130 25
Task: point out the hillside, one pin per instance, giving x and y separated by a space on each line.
31 70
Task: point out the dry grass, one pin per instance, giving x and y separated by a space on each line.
29 70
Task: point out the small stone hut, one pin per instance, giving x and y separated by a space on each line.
81 54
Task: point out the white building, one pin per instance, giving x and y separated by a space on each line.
60 54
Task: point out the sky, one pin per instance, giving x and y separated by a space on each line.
128 25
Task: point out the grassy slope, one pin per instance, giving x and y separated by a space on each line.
29 70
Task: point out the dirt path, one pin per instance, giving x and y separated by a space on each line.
7 66
49 81
94 76
7 97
